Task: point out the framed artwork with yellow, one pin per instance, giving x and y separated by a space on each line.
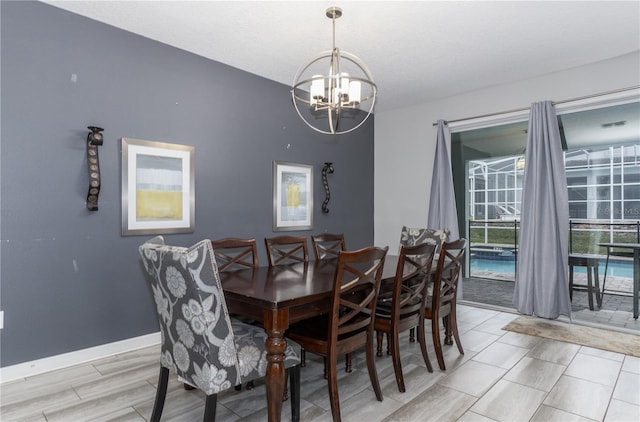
292 196
158 187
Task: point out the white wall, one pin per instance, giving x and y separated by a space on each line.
405 138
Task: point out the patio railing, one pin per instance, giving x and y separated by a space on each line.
493 249
493 244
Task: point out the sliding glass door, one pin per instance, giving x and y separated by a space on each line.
602 160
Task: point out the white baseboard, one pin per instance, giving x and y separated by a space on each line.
52 363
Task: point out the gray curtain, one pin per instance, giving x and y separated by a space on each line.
442 202
542 286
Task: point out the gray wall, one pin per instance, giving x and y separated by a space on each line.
69 279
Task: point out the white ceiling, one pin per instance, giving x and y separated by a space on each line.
418 51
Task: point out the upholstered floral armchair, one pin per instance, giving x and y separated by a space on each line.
411 236
200 342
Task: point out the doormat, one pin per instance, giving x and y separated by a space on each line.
598 338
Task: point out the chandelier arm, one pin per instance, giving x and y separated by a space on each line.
331 127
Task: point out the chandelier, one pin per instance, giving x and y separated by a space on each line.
334 93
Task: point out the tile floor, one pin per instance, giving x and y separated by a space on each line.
503 376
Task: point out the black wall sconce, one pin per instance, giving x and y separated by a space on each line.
94 139
328 168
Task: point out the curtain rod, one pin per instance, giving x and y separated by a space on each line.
554 102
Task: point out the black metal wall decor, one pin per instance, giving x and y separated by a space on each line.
94 139
328 168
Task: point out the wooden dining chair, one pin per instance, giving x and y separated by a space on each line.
200 342
233 253
349 324
328 245
286 249
402 307
442 303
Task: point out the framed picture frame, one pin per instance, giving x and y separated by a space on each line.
292 196
158 187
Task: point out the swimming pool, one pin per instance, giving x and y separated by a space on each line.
616 268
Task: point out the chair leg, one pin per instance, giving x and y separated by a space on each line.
285 390
371 366
590 287
161 393
447 330
326 373
388 345
294 380
395 357
435 334
379 337
596 277
303 358
604 278
571 283
332 377
422 339
347 363
412 336
210 408
453 326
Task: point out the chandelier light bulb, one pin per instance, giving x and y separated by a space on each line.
354 92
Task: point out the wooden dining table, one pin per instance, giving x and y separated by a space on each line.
277 297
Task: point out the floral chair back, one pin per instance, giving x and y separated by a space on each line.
411 236
197 335
200 342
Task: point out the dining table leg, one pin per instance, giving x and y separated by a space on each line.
276 322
